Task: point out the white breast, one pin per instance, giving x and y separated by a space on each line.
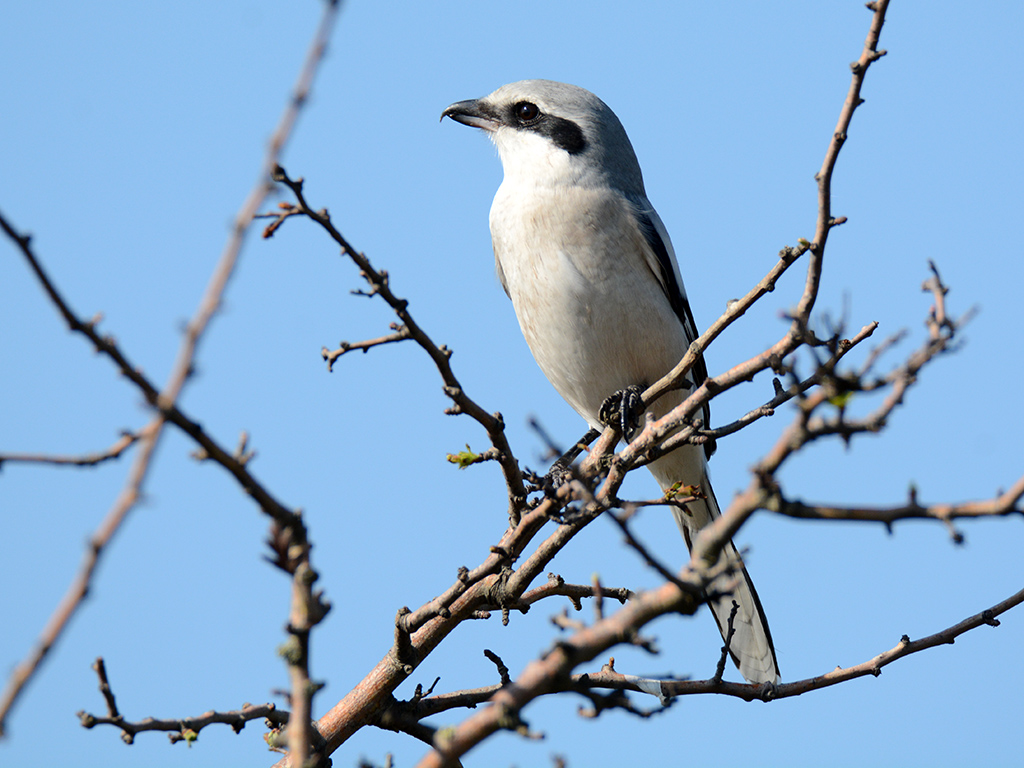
593 313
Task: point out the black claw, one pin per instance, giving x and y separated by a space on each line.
623 407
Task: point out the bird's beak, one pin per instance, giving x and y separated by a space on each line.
473 113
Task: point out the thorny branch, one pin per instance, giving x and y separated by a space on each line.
799 332
289 531
401 333
178 729
379 283
764 491
417 632
646 445
1006 503
609 679
590 491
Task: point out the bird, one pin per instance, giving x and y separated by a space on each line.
595 285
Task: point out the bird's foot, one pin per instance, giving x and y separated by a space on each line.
559 474
621 409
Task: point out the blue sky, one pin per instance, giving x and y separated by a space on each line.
130 134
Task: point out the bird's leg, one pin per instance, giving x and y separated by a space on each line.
622 409
557 476
561 469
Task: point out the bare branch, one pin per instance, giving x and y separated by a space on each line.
541 675
495 659
178 729
729 634
556 586
126 441
550 673
873 666
1007 503
782 396
869 54
164 400
378 281
401 333
79 587
799 332
284 212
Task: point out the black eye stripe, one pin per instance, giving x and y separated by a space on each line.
563 133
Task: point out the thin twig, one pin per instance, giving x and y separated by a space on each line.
781 398
549 674
401 334
379 283
798 333
1006 503
178 729
79 587
729 634
165 400
127 440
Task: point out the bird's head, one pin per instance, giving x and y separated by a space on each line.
552 133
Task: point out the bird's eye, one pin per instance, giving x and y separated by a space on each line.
526 111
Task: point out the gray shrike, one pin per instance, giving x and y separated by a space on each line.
594 282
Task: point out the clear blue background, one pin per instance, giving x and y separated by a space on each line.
129 135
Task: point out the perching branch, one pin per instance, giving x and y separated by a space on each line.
504 579
798 333
642 447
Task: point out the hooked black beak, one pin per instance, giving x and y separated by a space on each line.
473 113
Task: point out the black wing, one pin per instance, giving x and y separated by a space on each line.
668 277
